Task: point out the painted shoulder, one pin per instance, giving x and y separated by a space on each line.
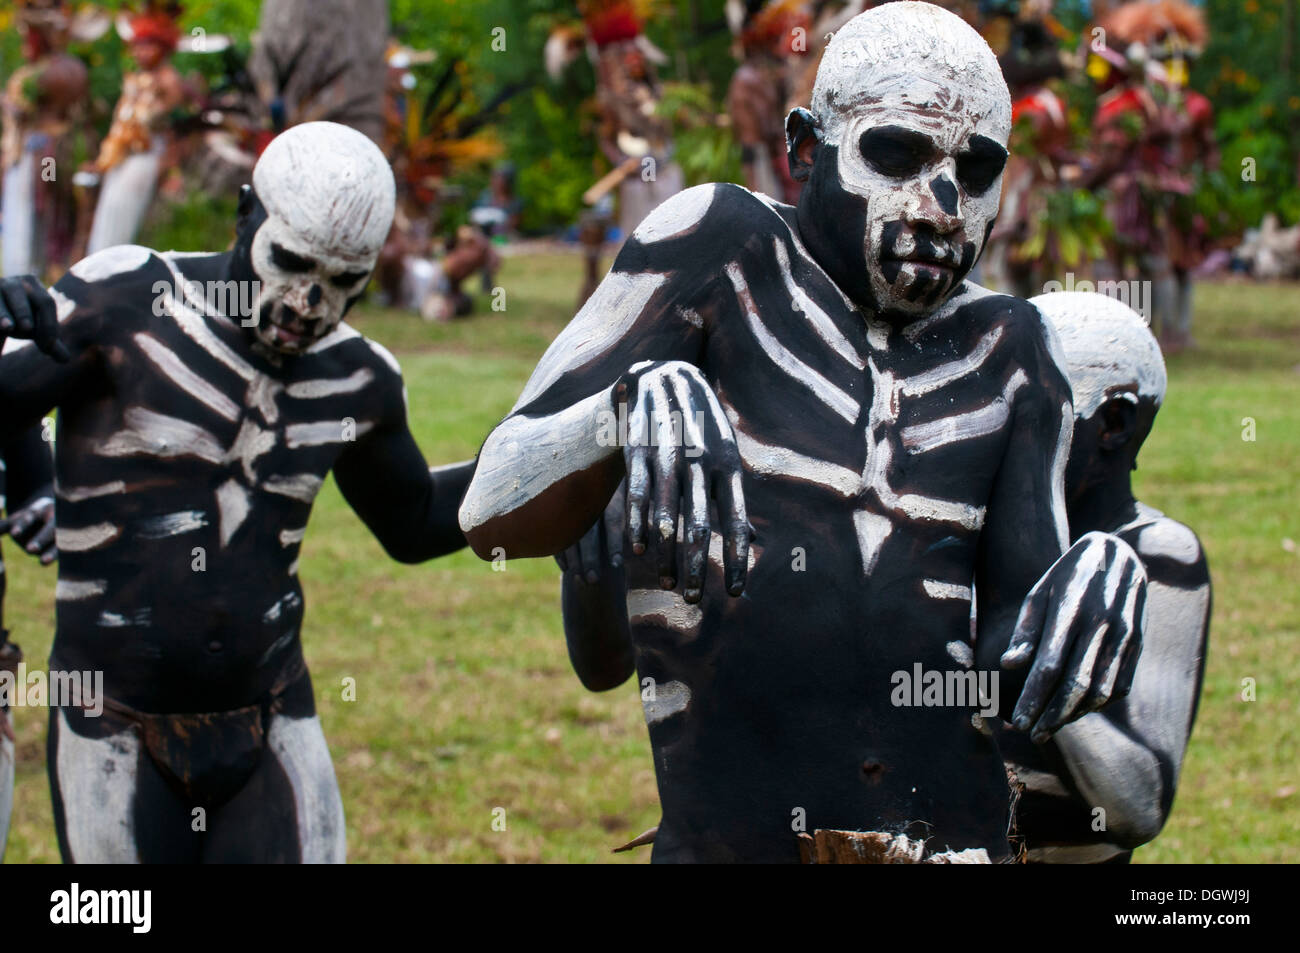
124 281
1156 536
1031 335
710 217
345 344
124 266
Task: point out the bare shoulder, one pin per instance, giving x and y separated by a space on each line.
125 267
698 223
116 288
1155 536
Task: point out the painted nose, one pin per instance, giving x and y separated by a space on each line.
940 205
304 298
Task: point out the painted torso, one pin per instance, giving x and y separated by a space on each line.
868 458
186 475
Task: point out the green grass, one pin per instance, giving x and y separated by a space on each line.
466 703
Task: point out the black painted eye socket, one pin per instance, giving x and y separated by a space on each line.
896 152
348 278
286 260
980 167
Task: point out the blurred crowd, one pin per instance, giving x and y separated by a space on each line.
1110 141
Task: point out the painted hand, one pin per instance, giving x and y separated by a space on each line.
680 453
1081 627
27 311
32 528
601 546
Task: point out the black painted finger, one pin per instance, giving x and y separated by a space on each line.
1067 614
1119 638
691 401
668 485
19 307
44 539
1131 653
46 315
695 513
1028 630
613 520
736 531
589 552
1068 702
639 486
21 525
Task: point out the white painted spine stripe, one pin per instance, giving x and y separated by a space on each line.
233 506
669 699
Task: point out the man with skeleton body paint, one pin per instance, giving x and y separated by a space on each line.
189 452
893 433
1126 758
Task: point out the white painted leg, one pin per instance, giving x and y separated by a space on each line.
299 746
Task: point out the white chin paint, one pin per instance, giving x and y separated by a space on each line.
917 66
329 197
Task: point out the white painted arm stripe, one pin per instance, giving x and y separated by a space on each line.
525 456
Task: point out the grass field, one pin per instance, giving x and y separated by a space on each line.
465 701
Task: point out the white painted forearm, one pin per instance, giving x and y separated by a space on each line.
1117 774
524 456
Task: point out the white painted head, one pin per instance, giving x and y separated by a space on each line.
914 103
1109 350
329 197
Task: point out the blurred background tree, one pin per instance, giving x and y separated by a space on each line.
546 129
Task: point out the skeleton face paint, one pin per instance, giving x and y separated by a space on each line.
329 199
914 118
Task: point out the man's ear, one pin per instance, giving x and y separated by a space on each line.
247 201
802 137
1119 422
